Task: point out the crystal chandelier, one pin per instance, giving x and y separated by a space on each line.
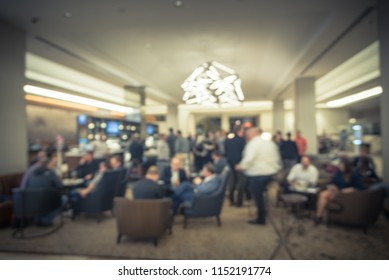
213 83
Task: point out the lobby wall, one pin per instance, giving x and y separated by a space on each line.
13 148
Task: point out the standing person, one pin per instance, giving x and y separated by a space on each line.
289 152
261 160
301 143
234 148
163 150
182 149
278 139
343 140
136 151
199 153
220 141
171 141
99 148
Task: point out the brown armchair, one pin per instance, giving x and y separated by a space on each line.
356 209
142 218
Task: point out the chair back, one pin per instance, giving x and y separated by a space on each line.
121 185
210 205
35 202
142 217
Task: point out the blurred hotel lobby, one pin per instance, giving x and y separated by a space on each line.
116 72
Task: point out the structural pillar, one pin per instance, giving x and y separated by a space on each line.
305 111
172 116
278 115
225 122
142 103
13 121
383 37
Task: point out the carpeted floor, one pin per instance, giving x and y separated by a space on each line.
235 239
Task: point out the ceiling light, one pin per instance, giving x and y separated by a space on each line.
355 97
67 15
178 3
77 99
59 103
213 83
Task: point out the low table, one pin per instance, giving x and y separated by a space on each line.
289 200
310 193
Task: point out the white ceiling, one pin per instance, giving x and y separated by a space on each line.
154 43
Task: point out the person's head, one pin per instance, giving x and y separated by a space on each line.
216 155
289 135
345 165
152 173
103 166
252 132
179 133
88 156
175 164
365 150
238 130
298 133
115 162
208 170
305 162
171 131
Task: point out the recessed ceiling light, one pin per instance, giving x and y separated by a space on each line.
178 3
67 15
148 45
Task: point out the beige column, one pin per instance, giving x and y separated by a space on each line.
278 116
383 37
305 111
225 122
13 123
172 116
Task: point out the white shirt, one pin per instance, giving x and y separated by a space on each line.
304 176
100 149
260 158
163 150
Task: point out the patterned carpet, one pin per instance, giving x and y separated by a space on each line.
202 239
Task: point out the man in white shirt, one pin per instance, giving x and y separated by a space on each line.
100 149
303 174
261 160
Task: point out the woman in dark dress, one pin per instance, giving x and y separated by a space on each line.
345 181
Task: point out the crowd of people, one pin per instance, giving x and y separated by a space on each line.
187 166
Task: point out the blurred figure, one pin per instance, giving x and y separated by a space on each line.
289 152
163 150
171 141
345 180
301 143
182 149
234 146
41 158
365 164
99 148
220 138
278 139
303 174
260 162
218 161
343 137
115 162
173 175
206 187
44 177
87 167
148 187
199 153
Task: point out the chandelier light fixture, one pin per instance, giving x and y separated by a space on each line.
213 83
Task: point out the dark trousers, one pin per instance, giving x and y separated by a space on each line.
238 181
257 186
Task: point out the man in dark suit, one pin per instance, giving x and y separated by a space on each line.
234 145
173 175
206 187
87 167
148 188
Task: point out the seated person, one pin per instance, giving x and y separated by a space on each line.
303 174
115 162
365 164
219 161
96 179
186 191
345 181
87 167
41 157
43 177
173 175
148 188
